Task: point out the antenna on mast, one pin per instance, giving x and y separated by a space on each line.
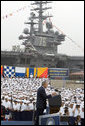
40 9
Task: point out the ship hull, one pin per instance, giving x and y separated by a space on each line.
30 60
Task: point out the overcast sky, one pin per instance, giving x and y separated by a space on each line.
67 16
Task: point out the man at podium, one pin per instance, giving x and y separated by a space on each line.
41 100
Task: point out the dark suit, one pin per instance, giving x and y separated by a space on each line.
2 112
41 102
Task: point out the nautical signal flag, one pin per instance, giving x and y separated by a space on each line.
9 71
1 70
42 72
31 71
20 71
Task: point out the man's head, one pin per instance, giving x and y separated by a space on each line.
15 102
45 84
66 111
78 118
21 103
77 106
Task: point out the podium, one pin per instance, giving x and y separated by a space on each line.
50 119
55 104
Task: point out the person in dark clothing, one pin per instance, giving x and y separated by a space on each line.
78 120
2 112
41 100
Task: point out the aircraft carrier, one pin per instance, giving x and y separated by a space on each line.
41 46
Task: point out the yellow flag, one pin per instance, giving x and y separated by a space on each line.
27 72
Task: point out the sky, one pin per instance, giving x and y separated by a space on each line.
68 16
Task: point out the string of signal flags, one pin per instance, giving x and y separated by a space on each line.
44 22
16 11
11 14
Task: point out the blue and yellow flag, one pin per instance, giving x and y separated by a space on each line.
31 71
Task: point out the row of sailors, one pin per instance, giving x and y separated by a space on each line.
72 110
19 106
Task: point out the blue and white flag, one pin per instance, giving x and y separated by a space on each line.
20 71
9 71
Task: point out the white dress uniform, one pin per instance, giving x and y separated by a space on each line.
70 111
15 107
9 105
76 113
3 102
31 106
62 110
18 106
6 105
82 114
23 107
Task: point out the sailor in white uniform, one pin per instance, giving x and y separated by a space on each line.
71 110
76 111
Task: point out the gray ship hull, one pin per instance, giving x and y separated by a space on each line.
50 61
